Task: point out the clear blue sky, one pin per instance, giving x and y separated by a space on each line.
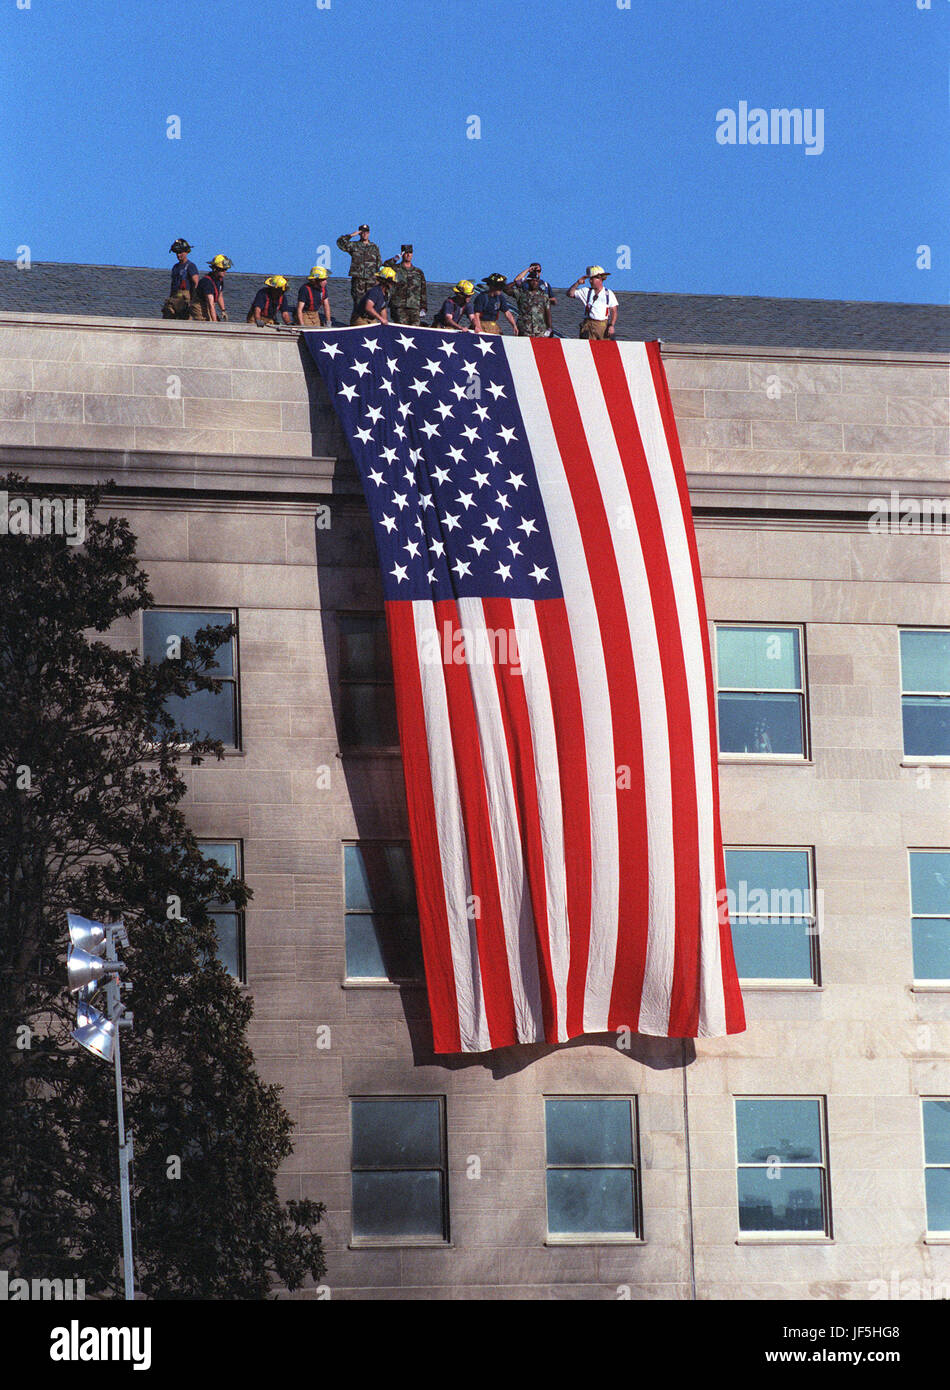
598 130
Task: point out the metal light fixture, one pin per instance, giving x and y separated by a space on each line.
83 968
92 962
95 1032
86 934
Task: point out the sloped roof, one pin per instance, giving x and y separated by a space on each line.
726 320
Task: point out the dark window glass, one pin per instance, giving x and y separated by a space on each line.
592 1186
212 716
937 1160
229 923
930 909
925 685
771 912
382 920
399 1169
782 1174
367 700
761 700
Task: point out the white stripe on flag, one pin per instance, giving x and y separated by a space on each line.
661 939
512 874
636 363
592 681
470 997
534 673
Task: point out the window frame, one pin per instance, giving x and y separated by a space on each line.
923 983
823 1237
919 759
416 1242
237 912
235 679
637 1235
813 918
377 981
933 1235
793 759
343 682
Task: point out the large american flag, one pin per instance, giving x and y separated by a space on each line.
553 681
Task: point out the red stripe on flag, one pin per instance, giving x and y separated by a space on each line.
423 829
517 728
735 1013
633 913
483 870
568 718
623 419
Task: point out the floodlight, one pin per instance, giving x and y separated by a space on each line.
86 934
96 1033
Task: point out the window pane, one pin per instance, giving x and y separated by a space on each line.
937 1131
938 1198
768 881
788 1201
925 661
368 716
379 877
589 1131
227 925
383 948
772 950
213 716
931 938
223 852
364 648
760 724
926 725
930 883
160 624
397 1204
397 1133
758 658
786 1129
598 1201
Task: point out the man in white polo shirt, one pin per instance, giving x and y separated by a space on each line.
600 304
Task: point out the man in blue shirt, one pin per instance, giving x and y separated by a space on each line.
453 308
312 301
184 282
373 306
207 302
269 305
490 304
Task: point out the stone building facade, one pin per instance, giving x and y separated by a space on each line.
227 459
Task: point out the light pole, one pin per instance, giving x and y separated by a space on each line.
93 961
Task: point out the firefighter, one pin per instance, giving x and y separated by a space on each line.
373 307
184 282
312 300
207 302
269 305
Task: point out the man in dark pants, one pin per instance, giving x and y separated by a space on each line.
365 260
184 282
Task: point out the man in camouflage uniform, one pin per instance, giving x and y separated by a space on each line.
364 261
407 303
532 299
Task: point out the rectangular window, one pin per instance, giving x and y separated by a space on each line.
367 700
761 691
593 1187
382 919
399 1170
229 922
930 914
782 1173
772 911
925 692
211 716
937 1165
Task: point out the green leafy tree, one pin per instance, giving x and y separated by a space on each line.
90 821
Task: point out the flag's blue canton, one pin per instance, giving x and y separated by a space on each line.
437 434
